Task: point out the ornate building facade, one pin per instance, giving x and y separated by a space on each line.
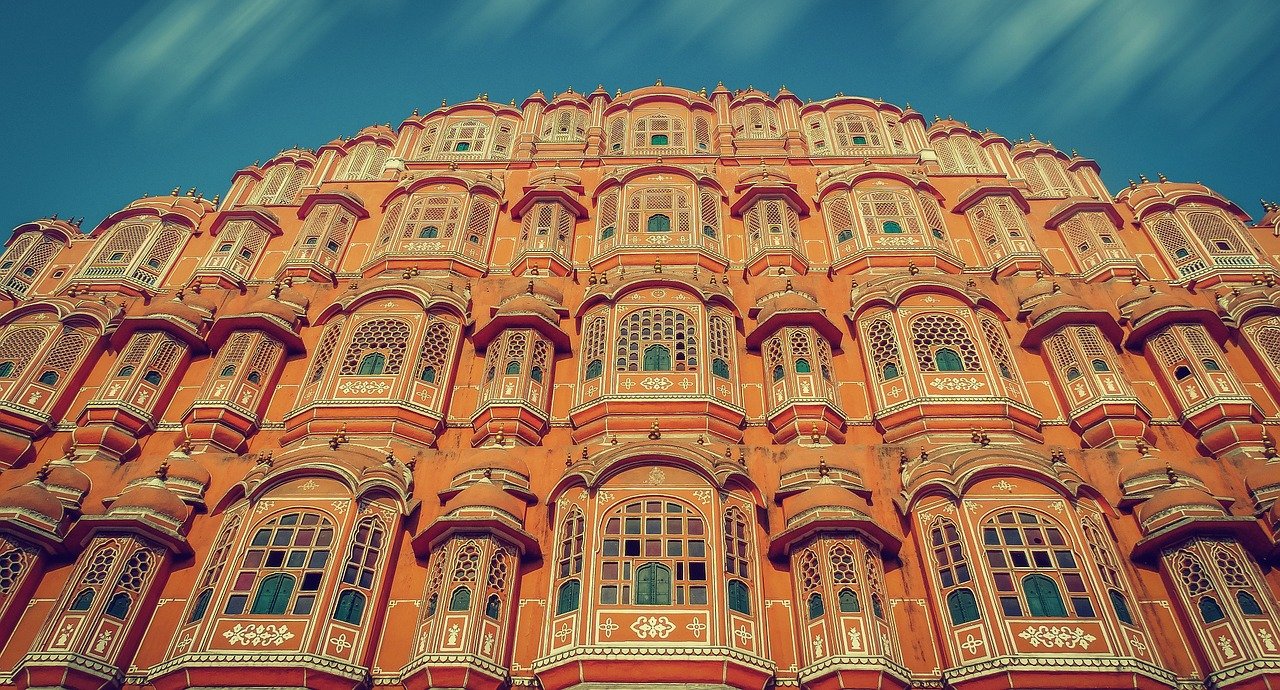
641 390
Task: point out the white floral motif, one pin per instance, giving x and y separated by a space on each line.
744 636
364 387
608 627
697 626
1267 640
855 639
957 384
657 476
1057 636
341 643
703 496
1228 650
660 383
972 644
657 627
258 635
1004 486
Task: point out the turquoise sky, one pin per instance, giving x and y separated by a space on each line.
106 101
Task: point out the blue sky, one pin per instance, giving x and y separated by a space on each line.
105 101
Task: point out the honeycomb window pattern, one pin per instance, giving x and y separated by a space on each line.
932 332
11 564
388 337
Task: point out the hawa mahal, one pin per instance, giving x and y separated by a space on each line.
642 390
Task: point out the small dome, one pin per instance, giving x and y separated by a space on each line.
1028 296
486 496
1176 502
273 307
528 304
33 498
825 496
1263 477
1054 303
1156 303
1131 298
495 459
176 309
64 475
150 496
187 470
786 301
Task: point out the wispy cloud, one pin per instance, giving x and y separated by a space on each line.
176 58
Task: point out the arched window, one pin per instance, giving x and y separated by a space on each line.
1043 598
493 606
1181 372
594 369
1100 366
202 605
152 377
460 600
778 372
535 373
948 360
739 599
962 606
816 607
1073 373
118 607
653 585
1121 606
569 565
1210 610
1104 556
429 232
49 378
254 377
1210 365
229 370
891 227
273 594
849 601
567 596
803 367
372 364
1018 541
658 223
642 532
83 601
297 543
720 368
1248 605
657 358
350 607
428 375
513 367
6 369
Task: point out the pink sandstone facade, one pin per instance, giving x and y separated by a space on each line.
656 389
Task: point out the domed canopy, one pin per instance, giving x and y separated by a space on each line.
827 507
536 306
481 507
66 482
1263 478
485 496
780 304
150 497
279 313
1148 314
33 500
184 317
1176 502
